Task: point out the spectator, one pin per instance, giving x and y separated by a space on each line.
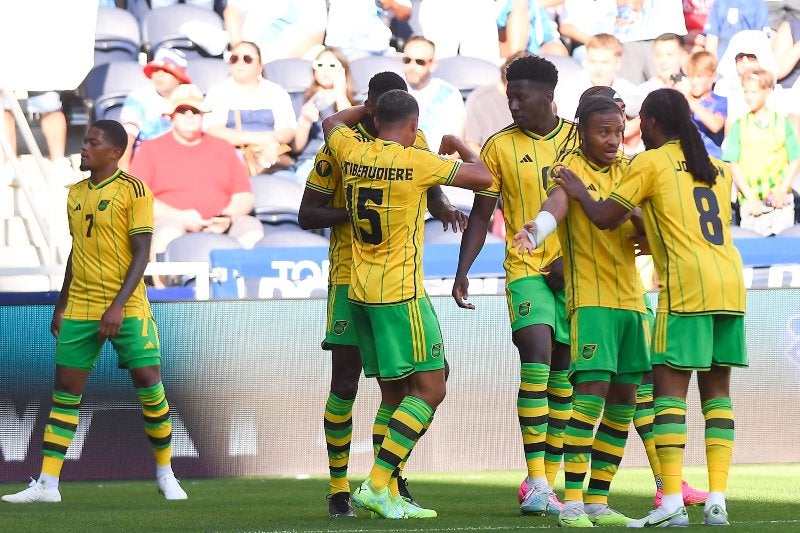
461 27
780 10
361 27
786 47
526 25
580 20
198 181
695 14
249 111
331 90
441 107
668 57
280 28
142 113
709 110
764 157
729 17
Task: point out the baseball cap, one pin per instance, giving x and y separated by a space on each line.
187 95
169 60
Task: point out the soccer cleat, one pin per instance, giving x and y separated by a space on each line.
379 502
537 502
661 518
402 486
603 515
691 496
413 510
36 492
171 488
523 489
715 516
573 515
554 506
339 505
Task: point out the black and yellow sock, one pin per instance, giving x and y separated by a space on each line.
578 437
669 429
157 422
559 406
532 414
338 425
402 435
643 421
59 431
718 413
609 443
393 486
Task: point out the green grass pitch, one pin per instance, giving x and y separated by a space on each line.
760 498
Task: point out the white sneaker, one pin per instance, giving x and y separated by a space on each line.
36 492
661 518
715 516
171 488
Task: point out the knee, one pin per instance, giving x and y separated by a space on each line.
344 386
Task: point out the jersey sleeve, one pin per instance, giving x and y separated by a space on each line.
435 169
636 185
340 139
492 161
140 214
326 174
421 141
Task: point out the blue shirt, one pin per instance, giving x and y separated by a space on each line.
713 141
729 17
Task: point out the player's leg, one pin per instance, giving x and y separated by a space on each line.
77 349
559 395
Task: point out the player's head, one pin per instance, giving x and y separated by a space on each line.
418 60
398 110
103 145
380 84
665 115
601 127
530 84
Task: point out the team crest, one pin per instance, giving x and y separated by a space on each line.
587 352
323 168
436 350
103 204
524 309
339 326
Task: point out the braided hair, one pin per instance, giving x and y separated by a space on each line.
671 110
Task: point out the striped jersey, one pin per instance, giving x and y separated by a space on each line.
520 161
386 195
326 177
599 266
101 219
687 225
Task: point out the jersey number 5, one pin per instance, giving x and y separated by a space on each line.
708 207
374 235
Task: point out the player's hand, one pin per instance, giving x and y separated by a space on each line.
55 325
640 244
450 145
461 292
110 322
568 180
554 275
453 218
522 239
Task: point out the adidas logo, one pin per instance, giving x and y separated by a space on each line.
77 207
591 187
526 159
149 346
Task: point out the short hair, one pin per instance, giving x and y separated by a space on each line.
605 41
666 37
533 68
764 78
114 132
383 82
510 59
396 106
701 61
419 38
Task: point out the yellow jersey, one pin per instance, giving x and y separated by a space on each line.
520 161
386 195
687 225
102 218
599 266
326 177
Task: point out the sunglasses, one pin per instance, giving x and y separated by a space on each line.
320 65
421 62
187 111
750 57
246 58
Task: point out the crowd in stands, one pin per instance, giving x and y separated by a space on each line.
736 61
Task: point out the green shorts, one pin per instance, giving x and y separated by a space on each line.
339 329
699 342
609 340
530 301
136 344
399 339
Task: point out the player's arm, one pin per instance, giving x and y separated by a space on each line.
316 211
440 207
471 244
112 318
472 173
346 117
63 296
535 231
604 214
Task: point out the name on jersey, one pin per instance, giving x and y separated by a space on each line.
681 165
378 173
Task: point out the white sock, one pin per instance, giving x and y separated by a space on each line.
716 498
672 502
162 471
49 482
540 482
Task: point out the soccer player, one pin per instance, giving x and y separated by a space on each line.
398 333
323 205
103 298
519 158
685 199
603 287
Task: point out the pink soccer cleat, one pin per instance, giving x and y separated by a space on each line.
691 496
523 489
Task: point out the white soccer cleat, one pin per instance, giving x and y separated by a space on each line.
36 492
171 488
715 516
661 518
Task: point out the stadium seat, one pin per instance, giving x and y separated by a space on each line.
106 86
565 65
291 238
196 247
171 27
793 231
434 233
466 73
364 68
294 75
207 71
738 232
277 198
116 36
